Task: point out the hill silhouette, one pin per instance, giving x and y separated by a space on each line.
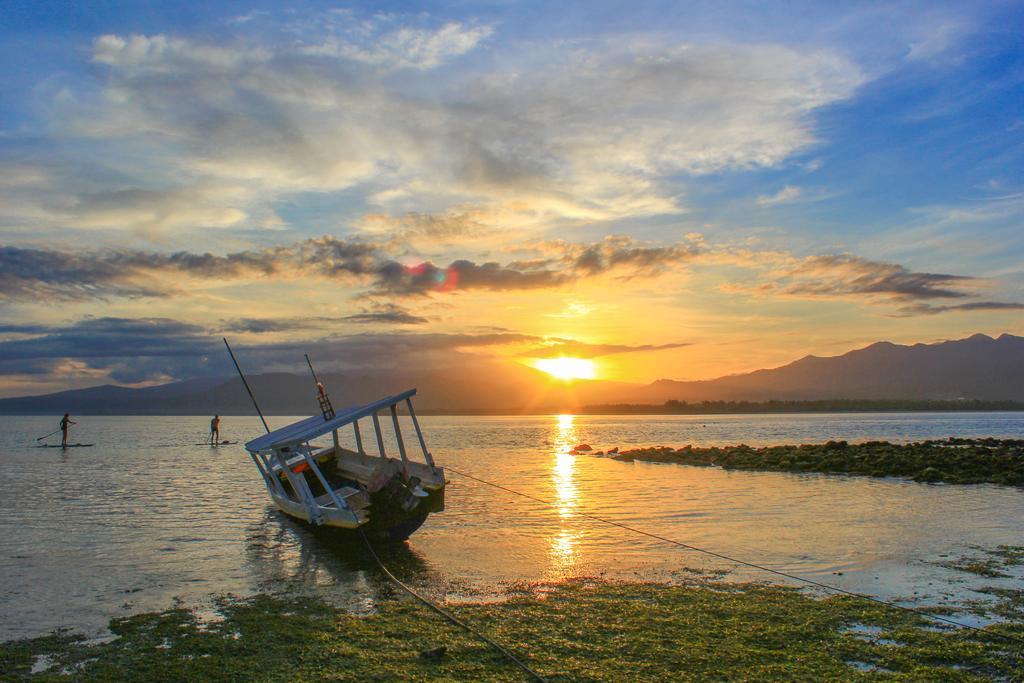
976 368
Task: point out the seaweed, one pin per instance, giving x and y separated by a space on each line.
956 461
583 629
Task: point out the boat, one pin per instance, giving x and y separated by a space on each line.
334 486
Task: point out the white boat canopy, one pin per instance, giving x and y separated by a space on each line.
312 427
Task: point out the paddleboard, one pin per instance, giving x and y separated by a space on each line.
70 445
221 443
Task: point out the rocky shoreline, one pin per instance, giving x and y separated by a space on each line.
954 460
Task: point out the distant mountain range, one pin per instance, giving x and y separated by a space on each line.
978 367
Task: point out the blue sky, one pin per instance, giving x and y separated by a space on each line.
739 183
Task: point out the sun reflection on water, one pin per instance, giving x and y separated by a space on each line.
563 545
564 466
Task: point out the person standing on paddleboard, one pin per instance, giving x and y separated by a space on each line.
215 430
65 425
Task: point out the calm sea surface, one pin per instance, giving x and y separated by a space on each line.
146 516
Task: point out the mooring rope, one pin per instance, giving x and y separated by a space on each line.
752 565
448 615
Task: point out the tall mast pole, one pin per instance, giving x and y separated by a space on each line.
246 383
310 364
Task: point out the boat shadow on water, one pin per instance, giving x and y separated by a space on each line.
285 554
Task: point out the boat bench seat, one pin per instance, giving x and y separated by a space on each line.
365 469
355 498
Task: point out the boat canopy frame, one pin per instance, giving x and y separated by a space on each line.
281 449
312 427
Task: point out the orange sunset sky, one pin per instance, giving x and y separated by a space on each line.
671 190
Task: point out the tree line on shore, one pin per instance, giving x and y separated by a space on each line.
673 407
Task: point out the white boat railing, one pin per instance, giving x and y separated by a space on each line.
272 456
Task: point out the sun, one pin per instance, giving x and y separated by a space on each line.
567 368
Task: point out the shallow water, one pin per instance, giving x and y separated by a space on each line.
145 516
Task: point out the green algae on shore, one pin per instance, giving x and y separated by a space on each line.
577 630
988 562
954 461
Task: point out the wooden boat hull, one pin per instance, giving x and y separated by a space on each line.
382 518
349 489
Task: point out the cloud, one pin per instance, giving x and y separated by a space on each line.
169 55
45 275
395 278
192 133
377 314
786 194
954 228
137 350
367 269
624 253
386 313
15 328
934 36
92 337
405 47
845 275
573 261
149 212
84 203
53 275
369 272
432 226
271 325
129 350
461 227
927 309
555 347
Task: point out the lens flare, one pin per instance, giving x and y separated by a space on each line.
427 275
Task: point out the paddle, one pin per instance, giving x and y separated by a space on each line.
50 434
